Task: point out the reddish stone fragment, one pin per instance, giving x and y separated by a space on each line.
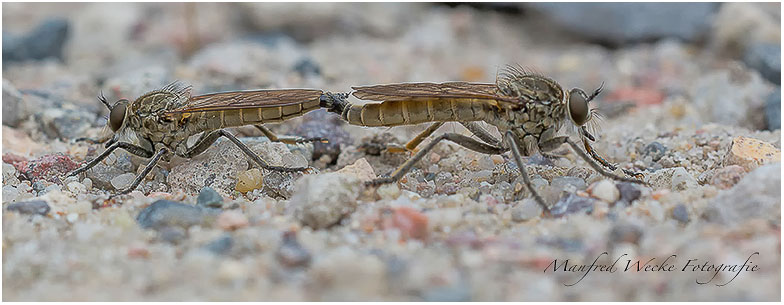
410 222
48 167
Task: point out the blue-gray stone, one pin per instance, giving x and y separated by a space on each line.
571 204
222 245
765 58
680 213
773 110
165 213
656 150
619 23
209 198
29 207
44 41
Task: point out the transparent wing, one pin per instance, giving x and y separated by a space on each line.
248 99
453 90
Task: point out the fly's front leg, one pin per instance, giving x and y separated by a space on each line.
244 148
134 149
606 164
140 177
204 142
596 166
523 172
287 140
461 140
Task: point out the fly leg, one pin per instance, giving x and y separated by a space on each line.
140 177
481 133
604 162
287 140
134 149
396 148
461 140
523 172
253 156
557 141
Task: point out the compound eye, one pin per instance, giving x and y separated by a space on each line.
117 115
578 108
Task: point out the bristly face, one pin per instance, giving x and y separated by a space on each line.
519 82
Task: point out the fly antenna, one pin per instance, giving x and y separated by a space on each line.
103 100
596 92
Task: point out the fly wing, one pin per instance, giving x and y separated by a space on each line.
248 99
450 90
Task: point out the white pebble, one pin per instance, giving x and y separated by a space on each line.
388 191
681 180
9 193
72 217
88 183
123 180
525 210
606 191
77 188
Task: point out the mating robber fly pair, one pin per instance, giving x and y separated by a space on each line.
529 110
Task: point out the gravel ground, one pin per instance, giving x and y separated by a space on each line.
695 107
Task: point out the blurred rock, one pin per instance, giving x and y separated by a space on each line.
605 190
526 210
14 109
132 83
44 41
765 58
629 191
231 220
726 177
209 198
571 204
307 67
291 253
682 180
625 233
165 213
680 213
758 195
773 110
361 170
569 184
738 26
29 207
619 23
320 201
410 222
750 153
65 123
221 245
734 97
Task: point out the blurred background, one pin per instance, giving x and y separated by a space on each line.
65 53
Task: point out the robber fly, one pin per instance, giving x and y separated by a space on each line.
528 109
158 124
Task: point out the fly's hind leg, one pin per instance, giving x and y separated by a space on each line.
461 140
286 139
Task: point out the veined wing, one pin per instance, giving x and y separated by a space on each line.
449 90
248 99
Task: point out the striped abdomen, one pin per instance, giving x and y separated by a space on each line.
394 113
212 120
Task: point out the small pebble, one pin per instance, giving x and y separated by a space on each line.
388 191
655 150
526 210
629 191
231 220
750 153
72 217
77 188
221 245
122 181
726 177
323 200
209 198
625 233
249 180
30 207
9 193
165 213
570 184
360 169
605 190
88 183
682 180
571 204
291 253
680 213
410 222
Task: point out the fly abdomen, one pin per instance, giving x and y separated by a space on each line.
409 112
